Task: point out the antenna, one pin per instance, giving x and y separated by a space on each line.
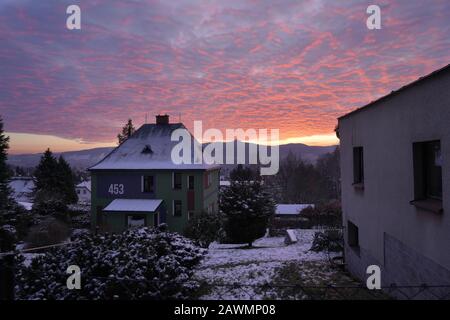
179 117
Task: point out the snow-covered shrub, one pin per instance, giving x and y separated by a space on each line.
328 240
50 205
247 207
204 228
145 263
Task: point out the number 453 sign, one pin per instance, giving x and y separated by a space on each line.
116 188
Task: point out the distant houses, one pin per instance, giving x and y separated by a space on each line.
290 210
22 190
138 184
395 175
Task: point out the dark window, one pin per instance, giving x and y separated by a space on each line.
148 184
177 180
135 221
353 234
190 214
191 182
427 170
358 165
177 208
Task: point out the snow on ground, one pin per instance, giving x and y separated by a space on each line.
226 265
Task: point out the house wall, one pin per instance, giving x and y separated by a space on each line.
117 221
84 195
412 246
131 180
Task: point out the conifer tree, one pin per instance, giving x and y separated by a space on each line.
127 131
247 208
46 175
66 181
5 192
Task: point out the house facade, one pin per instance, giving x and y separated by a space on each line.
83 190
395 175
138 184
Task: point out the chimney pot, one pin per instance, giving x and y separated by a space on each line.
162 119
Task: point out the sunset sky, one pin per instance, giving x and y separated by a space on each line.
292 65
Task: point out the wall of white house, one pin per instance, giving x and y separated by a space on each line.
84 195
382 210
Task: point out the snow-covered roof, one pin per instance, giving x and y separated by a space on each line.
291 208
134 205
27 205
22 187
85 184
150 147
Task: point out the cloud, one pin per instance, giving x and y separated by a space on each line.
294 65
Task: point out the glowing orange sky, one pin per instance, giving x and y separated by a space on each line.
295 66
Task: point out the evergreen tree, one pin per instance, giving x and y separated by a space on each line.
241 173
127 131
67 181
54 186
47 176
6 200
247 208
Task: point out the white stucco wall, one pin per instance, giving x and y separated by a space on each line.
387 131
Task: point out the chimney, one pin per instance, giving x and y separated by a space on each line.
162 119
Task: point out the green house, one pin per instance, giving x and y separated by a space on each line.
138 184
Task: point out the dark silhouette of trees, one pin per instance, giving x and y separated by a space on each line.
127 131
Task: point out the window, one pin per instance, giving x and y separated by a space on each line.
427 161
191 182
358 165
190 214
207 179
353 235
148 184
176 183
427 170
135 221
177 208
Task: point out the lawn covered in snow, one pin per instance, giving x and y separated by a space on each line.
235 272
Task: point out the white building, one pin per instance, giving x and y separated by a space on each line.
22 190
83 190
290 210
395 175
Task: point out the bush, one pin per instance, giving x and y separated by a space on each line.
329 214
247 208
49 231
144 263
328 240
49 205
204 228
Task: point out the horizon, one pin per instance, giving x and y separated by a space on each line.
112 145
296 66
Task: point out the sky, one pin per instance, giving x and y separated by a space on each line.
289 65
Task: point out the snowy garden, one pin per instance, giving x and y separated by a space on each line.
271 269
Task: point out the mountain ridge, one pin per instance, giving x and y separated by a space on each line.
83 159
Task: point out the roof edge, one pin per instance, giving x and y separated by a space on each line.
394 92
